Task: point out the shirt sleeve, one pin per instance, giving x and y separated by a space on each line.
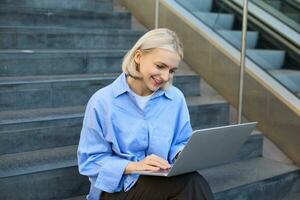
183 131
95 155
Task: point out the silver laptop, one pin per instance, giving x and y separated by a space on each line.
207 148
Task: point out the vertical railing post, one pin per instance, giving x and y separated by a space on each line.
242 63
156 13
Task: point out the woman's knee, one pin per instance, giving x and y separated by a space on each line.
196 182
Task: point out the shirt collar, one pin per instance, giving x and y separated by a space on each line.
120 86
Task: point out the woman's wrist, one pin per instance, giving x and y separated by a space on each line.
131 167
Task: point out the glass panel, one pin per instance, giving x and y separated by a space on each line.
288 11
215 66
263 48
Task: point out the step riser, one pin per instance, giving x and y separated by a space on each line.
267 60
252 148
71 93
274 188
33 40
53 184
195 5
234 38
90 5
58 64
217 21
118 20
26 137
48 134
206 116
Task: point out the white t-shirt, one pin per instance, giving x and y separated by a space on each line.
141 100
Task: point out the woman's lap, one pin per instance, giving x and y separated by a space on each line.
182 187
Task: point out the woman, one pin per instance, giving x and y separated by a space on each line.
139 122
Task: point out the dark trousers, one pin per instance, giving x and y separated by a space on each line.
191 186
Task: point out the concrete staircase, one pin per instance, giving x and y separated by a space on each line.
274 60
54 55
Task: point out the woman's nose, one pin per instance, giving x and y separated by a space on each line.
165 75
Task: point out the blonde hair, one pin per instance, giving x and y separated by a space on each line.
161 38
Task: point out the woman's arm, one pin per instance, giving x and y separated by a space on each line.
95 155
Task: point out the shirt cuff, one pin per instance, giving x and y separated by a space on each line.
129 181
110 174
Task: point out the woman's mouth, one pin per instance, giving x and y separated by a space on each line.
157 82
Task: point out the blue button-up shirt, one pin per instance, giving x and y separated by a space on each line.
116 131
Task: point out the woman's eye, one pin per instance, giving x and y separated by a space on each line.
172 71
159 66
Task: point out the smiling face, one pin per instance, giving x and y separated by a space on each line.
156 67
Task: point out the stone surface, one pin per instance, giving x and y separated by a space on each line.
66 38
257 178
90 5
10 17
68 90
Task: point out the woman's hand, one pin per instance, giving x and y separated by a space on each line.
150 163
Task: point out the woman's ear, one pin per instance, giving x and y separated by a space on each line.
137 56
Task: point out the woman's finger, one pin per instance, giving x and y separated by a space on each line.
159 160
155 163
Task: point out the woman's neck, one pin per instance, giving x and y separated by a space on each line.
138 86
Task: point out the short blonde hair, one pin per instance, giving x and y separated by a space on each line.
161 38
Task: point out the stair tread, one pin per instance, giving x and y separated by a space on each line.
288 77
59 11
232 175
71 77
286 72
66 30
267 58
36 161
66 4
43 114
5 52
236 31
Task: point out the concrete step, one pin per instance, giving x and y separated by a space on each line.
68 90
292 196
83 197
37 161
66 38
63 18
27 130
254 179
44 174
289 78
58 62
234 182
45 163
196 5
235 38
52 174
252 148
216 21
267 59
65 62
90 5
